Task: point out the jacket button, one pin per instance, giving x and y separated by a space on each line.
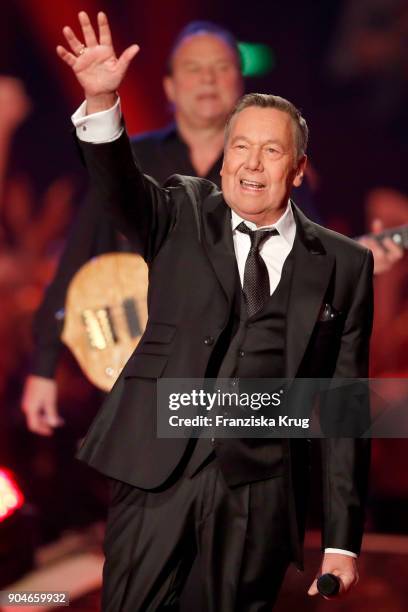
209 341
241 353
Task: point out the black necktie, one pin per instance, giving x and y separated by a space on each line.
256 278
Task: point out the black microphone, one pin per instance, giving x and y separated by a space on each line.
328 585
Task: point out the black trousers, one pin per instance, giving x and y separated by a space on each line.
241 536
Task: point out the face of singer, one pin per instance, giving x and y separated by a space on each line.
205 82
260 164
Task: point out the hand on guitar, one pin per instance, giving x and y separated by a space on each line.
386 253
39 404
94 62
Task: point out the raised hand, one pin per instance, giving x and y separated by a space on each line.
94 62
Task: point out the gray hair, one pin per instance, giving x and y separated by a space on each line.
270 101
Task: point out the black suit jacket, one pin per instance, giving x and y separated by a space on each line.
184 233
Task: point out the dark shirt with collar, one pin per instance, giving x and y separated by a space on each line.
162 153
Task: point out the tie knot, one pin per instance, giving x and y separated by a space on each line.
257 236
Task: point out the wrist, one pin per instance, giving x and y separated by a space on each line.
99 103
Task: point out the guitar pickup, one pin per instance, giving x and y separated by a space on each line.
132 318
99 327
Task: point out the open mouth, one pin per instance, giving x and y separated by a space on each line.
207 96
252 185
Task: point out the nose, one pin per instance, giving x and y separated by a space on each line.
208 74
254 160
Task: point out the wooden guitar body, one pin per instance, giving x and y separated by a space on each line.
106 314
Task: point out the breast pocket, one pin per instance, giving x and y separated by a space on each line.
331 327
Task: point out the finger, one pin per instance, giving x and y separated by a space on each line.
36 425
127 56
67 57
394 252
50 414
75 44
377 226
105 37
39 423
41 416
380 250
53 419
346 581
370 243
313 588
87 30
43 431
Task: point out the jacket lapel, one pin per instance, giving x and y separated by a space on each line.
219 244
311 275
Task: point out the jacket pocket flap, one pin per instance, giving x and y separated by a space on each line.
145 366
160 333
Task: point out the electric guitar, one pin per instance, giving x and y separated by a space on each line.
106 314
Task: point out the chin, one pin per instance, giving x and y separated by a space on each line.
253 204
249 210
211 112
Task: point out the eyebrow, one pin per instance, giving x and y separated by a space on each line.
271 141
198 60
190 60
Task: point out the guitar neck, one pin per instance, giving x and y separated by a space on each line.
399 235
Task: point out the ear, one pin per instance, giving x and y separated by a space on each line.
300 171
168 86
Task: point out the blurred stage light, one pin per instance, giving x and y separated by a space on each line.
11 498
17 530
257 59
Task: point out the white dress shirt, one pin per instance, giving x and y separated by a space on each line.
106 126
274 250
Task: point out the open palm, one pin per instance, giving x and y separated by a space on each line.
94 62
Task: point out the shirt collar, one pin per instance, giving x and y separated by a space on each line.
286 224
170 131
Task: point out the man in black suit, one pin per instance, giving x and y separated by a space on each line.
239 503
203 83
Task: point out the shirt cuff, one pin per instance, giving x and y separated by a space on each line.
340 551
97 128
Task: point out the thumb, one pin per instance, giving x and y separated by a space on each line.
313 588
54 420
127 57
51 414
